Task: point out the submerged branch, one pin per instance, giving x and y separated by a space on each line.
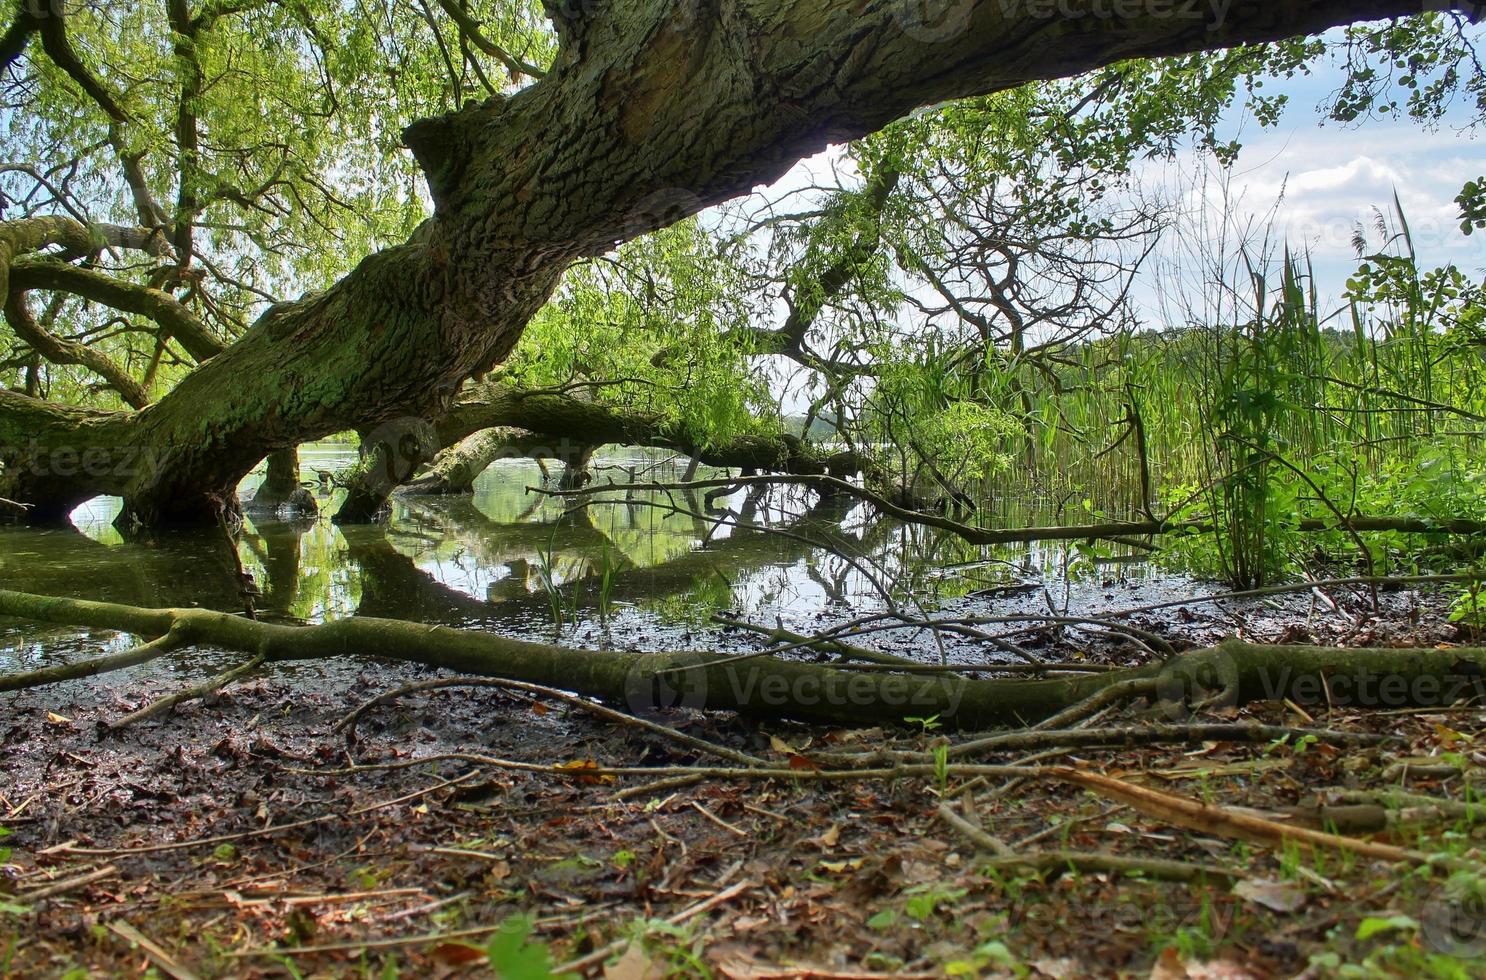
1075 532
132 657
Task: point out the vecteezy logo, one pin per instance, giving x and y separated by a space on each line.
651 686
933 21
1198 681
392 452
1454 918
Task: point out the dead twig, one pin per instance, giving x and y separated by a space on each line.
151 949
191 693
702 907
68 884
348 723
1223 822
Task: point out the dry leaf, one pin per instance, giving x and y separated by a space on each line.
1280 896
635 964
587 764
457 954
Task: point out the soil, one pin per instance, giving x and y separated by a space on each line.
226 838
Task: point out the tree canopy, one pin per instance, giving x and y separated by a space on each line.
199 170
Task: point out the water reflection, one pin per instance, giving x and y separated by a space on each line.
505 557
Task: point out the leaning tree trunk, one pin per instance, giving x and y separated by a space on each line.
652 112
457 467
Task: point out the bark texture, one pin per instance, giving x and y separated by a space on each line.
651 112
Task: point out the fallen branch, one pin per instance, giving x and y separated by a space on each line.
156 953
189 694
1222 822
773 687
1082 861
66 885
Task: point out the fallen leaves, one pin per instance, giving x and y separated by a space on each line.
582 765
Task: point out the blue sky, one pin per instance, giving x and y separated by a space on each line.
1319 180
1315 178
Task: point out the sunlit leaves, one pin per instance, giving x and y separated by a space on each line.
297 110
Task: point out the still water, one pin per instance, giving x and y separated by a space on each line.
625 569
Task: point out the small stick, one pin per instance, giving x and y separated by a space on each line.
718 820
976 835
691 741
153 950
1097 862
659 786
392 942
191 693
603 953
1155 734
68 884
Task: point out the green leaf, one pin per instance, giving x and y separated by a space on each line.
1372 926
513 958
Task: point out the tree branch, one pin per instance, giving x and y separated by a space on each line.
470 28
164 309
59 351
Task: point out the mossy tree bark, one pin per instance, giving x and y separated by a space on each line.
651 112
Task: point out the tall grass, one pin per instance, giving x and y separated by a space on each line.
1258 408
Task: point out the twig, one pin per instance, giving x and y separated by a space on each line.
1155 734
777 633
68 884
973 833
1096 862
191 693
691 741
658 786
1399 800
392 942
1224 822
898 771
718 820
702 907
153 950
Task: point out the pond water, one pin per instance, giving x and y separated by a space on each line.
626 570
